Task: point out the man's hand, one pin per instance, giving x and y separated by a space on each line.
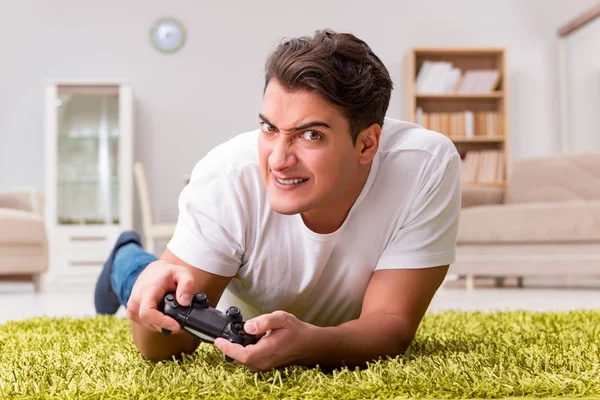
286 341
151 286
170 274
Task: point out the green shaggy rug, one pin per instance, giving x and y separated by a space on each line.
455 355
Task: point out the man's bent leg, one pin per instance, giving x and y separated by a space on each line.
130 261
105 298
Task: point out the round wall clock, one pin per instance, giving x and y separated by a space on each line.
167 35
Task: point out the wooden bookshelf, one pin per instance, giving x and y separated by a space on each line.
463 93
458 96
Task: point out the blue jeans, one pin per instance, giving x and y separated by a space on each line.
130 261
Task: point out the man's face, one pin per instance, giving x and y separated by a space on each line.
307 158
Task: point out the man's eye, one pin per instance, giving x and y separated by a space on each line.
266 127
311 135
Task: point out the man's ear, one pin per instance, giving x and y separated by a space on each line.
367 143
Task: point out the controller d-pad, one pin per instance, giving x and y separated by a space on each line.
236 327
170 298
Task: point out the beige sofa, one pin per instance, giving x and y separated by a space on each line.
23 241
546 221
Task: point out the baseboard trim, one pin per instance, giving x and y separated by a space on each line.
17 278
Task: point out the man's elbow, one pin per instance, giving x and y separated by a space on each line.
402 346
165 350
156 356
405 333
167 353
397 346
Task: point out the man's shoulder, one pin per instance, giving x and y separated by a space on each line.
239 150
236 154
404 143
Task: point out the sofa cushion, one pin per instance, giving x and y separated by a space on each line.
575 221
21 227
551 179
25 199
476 195
23 258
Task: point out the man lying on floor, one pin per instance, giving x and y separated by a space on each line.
333 224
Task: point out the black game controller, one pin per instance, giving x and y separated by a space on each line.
205 322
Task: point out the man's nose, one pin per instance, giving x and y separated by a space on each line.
282 156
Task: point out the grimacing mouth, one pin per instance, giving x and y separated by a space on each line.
293 181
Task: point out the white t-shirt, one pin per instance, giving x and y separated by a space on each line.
405 217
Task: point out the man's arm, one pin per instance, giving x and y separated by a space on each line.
393 306
152 344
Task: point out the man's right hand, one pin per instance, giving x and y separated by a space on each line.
169 274
157 279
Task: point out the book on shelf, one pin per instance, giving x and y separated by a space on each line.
483 166
442 77
462 124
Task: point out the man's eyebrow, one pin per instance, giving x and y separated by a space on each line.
298 128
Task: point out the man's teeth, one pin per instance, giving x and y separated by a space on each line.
290 181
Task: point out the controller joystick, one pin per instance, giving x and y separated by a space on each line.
234 313
200 300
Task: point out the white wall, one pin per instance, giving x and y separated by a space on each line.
211 90
583 88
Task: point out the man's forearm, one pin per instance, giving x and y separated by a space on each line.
155 346
359 341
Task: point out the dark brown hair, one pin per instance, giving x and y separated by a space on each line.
339 67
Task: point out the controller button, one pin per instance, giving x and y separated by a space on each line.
236 327
234 313
170 297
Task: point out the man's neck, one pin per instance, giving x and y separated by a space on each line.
330 218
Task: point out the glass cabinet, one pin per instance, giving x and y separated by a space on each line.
88 172
87 157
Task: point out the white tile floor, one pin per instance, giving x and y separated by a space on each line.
19 301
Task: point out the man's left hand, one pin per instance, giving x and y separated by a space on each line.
286 341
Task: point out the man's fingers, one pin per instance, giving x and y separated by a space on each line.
133 306
266 322
185 286
152 317
233 350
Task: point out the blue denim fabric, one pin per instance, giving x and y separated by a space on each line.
130 261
